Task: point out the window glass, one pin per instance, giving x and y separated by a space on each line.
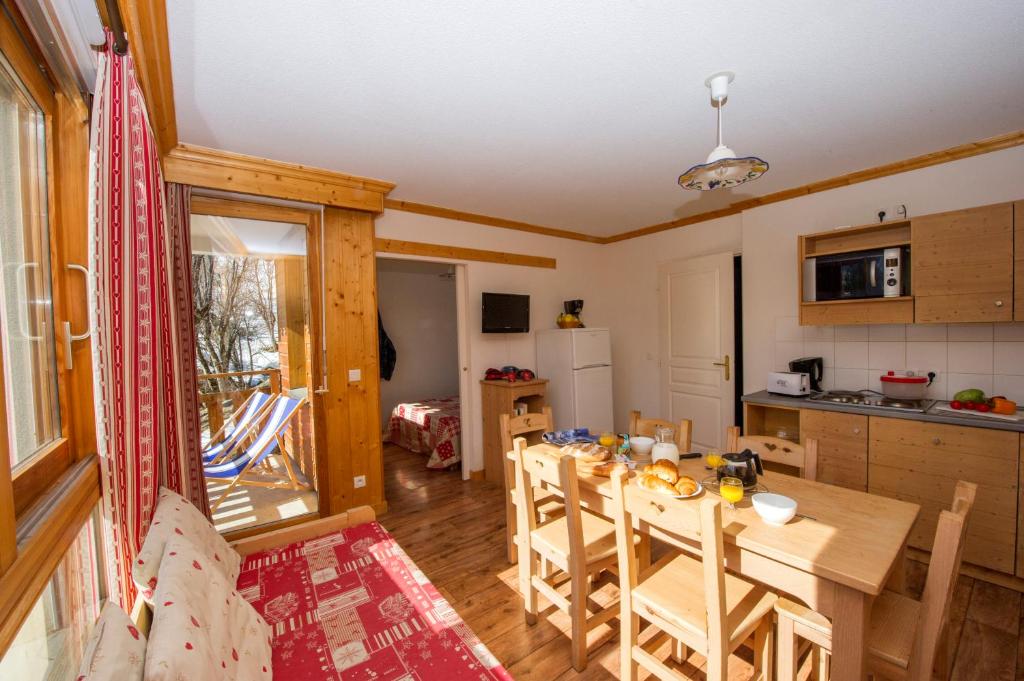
50 643
26 302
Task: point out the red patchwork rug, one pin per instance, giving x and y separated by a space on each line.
353 606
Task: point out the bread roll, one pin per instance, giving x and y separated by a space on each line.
587 452
655 484
686 486
606 470
665 470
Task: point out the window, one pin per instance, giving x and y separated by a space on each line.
26 300
50 643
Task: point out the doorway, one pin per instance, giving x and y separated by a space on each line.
251 305
423 396
698 346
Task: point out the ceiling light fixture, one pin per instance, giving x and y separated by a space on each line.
723 169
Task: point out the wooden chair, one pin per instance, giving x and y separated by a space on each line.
695 602
642 426
905 635
578 543
777 450
549 505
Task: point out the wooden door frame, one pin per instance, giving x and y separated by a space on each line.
218 206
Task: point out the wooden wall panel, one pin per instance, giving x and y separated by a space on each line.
349 411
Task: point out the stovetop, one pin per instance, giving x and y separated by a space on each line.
870 398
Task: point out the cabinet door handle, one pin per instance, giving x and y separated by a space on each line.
999 303
856 431
936 441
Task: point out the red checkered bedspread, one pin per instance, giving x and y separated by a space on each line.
428 427
353 606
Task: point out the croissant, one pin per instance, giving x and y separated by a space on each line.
655 484
686 486
664 470
606 470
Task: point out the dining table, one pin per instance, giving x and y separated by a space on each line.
841 550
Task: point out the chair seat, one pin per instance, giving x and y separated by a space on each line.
894 620
548 504
673 589
552 538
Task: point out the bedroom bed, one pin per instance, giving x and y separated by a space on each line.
430 427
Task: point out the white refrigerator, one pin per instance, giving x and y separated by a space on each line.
578 366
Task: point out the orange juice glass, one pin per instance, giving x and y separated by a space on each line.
731 490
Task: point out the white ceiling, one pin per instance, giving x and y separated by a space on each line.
241 236
581 114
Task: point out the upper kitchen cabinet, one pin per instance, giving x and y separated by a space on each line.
962 265
1018 261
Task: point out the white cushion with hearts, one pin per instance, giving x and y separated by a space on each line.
176 516
116 650
203 630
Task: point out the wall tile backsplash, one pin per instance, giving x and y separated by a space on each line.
986 356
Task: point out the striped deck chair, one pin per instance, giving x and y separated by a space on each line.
268 442
235 430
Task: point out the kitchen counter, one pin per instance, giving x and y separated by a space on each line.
766 398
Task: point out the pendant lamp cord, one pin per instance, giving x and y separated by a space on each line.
719 120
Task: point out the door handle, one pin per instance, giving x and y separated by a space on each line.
723 363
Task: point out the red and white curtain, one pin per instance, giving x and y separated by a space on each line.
144 361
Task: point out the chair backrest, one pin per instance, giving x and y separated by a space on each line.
539 469
947 552
777 450
641 426
243 415
514 426
630 503
276 421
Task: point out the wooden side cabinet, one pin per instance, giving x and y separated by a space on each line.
842 446
921 462
499 397
962 265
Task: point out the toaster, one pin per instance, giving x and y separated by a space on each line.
789 383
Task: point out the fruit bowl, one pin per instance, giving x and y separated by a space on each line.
569 323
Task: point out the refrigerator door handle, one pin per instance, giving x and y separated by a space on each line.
592 366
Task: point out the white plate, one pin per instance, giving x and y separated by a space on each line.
700 488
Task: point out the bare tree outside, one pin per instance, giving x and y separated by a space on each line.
235 303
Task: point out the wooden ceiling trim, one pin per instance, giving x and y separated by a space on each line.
460 253
990 144
225 170
145 21
440 212
249 210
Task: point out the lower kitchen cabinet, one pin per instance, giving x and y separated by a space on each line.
842 446
921 462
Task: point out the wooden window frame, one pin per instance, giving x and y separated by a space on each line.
46 499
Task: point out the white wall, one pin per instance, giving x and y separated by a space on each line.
989 356
575 277
417 307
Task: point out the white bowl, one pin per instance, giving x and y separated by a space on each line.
641 445
775 509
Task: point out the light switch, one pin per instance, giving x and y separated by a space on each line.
354 375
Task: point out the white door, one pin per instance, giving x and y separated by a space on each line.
697 354
592 392
591 348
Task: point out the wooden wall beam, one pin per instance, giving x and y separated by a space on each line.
459 253
440 212
228 171
984 146
249 210
146 24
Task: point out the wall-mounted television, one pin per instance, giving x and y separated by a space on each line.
505 313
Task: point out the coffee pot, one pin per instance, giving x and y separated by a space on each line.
665 446
745 465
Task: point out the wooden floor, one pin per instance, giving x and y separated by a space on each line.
454 530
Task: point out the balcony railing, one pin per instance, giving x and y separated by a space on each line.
220 394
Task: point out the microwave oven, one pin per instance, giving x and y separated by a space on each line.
879 273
